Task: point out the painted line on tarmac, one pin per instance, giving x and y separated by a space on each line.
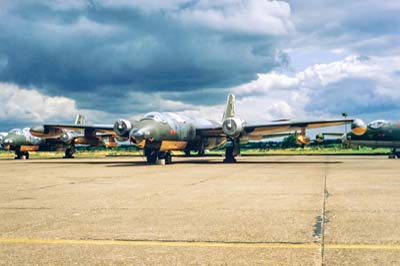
160 243
149 243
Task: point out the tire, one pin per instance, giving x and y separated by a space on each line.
168 158
69 153
151 158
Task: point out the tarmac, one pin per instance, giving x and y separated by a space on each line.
264 210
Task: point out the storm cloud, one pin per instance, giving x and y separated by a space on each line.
117 46
115 58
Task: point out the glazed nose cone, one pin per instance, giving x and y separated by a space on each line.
136 135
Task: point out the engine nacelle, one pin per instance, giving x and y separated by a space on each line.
303 140
233 127
358 127
42 132
122 128
67 137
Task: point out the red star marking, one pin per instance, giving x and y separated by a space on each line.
172 132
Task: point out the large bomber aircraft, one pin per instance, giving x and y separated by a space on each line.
22 141
377 134
160 133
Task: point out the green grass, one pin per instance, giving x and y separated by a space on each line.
290 151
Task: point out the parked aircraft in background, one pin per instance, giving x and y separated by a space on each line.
160 133
22 141
377 134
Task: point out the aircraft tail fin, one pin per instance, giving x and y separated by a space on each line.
230 107
80 120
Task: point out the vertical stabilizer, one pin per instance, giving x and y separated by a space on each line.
230 107
80 120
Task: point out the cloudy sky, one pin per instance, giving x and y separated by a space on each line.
299 59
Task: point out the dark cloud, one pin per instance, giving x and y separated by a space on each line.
106 52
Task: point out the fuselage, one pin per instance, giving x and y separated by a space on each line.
169 131
379 133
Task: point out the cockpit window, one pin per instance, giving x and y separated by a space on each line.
376 124
154 116
16 131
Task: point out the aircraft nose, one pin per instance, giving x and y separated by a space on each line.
358 127
136 135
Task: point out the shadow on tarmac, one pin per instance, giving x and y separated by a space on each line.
186 162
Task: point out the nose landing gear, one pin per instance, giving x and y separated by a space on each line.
21 155
158 157
232 150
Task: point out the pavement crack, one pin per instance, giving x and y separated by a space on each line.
321 220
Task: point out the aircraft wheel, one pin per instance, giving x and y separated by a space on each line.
18 155
397 154
168 158
69 153
26 155
152 158
392 156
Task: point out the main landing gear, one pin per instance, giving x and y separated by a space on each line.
232 150
69 153
21 155
158 157
394 154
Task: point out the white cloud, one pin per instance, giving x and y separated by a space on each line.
253 16
30 106
274 95
24 104
82 26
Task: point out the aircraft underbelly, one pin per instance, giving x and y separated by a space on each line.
376 143
171 145
29 148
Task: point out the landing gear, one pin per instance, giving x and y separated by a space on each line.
394 154
201 152
232 150
187 152
151 156
155 156
168 157
69 153
21 155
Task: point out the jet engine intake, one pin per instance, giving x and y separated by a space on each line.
122 127
233 127
67 137
358 127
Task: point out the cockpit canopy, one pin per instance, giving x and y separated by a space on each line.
156 116
377 124
16 131
169 118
